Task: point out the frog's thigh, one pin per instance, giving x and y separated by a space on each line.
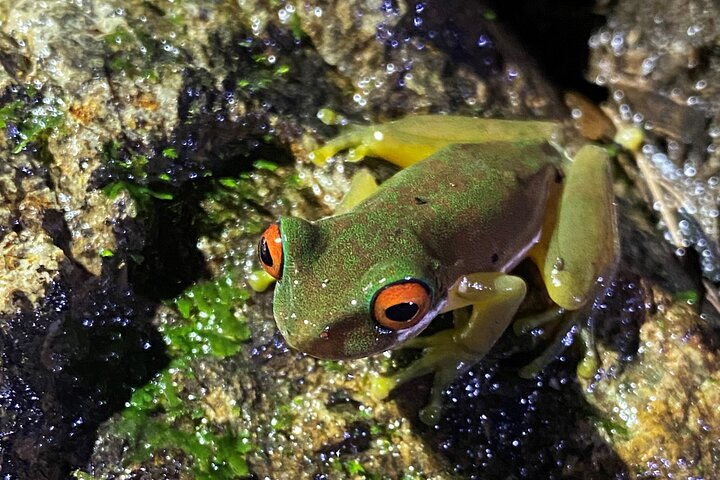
583 243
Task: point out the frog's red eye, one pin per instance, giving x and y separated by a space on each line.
270 251
402 304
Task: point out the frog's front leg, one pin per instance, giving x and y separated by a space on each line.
495 298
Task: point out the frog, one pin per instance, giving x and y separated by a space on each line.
473 198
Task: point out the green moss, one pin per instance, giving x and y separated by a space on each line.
33 119
229 199
131 164
296 27
130 171
157 418
214 323
137 53
692 297
613 429
354 467
332 366
490 15
158 415
141 194
293 181
263 75
282 418
9 112
170 153
80 475
263 164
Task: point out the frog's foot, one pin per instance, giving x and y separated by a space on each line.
529 323
566 330
495 298
260 280
357 141
443 356
589 363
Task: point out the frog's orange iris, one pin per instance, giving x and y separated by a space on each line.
270 251
401 305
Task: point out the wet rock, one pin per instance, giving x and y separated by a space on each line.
183 130
656 402
660 64
66 364
29 258
660 410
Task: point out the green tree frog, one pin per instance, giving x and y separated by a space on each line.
477 197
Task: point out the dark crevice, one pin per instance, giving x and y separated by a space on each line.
555 34
68 365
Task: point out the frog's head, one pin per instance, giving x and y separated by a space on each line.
346 290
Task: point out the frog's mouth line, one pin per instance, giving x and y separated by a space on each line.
415 330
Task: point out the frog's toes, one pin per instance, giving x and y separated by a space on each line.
589 364
528 323
442 357
568 329
557 345
381 386
356 141
260 280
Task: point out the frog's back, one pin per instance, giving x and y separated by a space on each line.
474 207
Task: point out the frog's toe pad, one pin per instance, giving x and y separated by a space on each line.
380 387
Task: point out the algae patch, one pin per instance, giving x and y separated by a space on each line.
161 416
31 119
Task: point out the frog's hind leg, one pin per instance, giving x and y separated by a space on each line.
578 249
411 139
581 246
495 298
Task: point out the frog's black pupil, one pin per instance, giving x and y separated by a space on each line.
265 256
402 312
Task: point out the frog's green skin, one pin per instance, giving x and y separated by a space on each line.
464 210
458 220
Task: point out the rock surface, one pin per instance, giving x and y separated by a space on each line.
147 144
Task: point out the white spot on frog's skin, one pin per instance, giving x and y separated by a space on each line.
378 135
555 280
382 280
353 302
325 283
465 285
